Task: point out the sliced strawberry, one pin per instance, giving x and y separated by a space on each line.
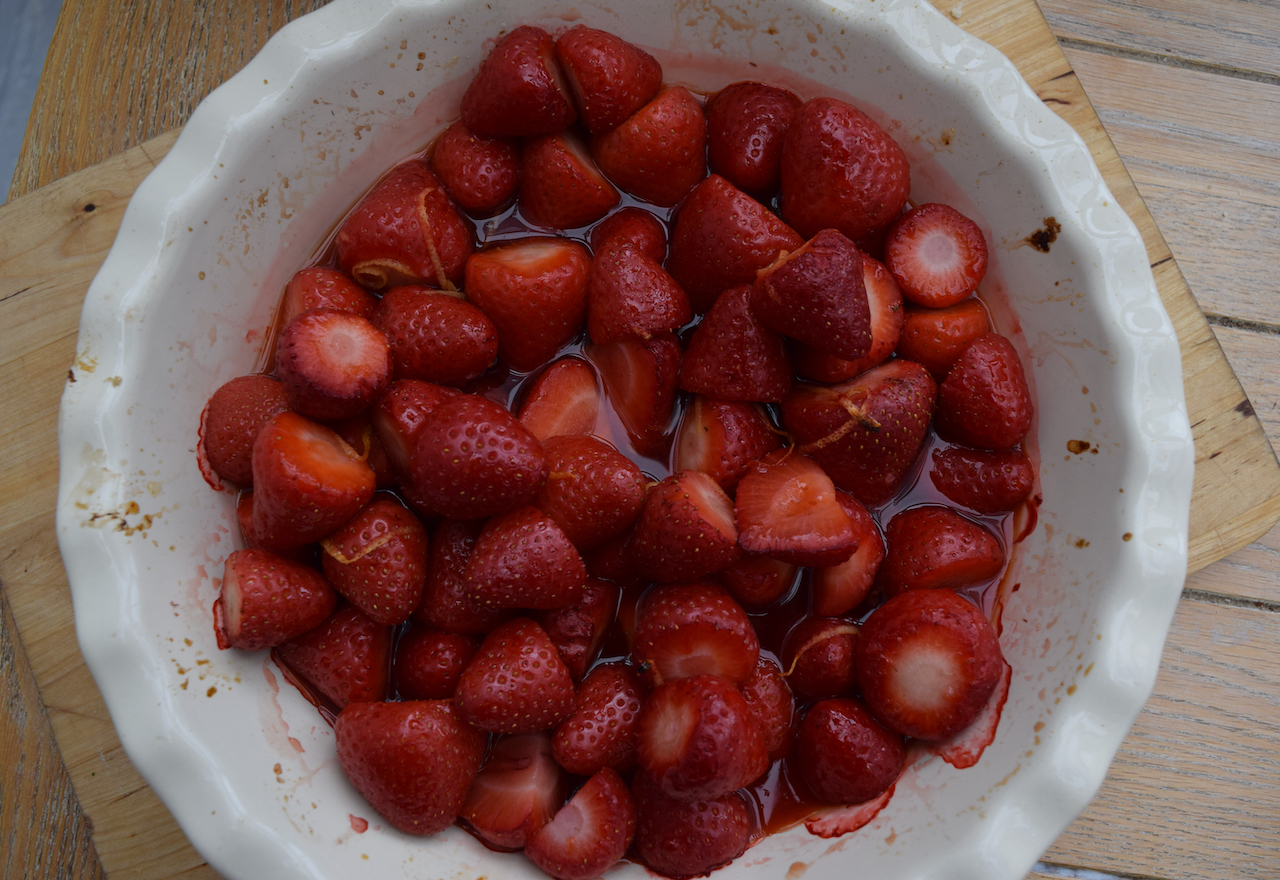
332 364
347 658
844 755
231 421
684 630
786 508
634 226
720 438
560 185
839 589
473 459
593 491
378 561
937 337
747 123
267 600
429 662
680 838
721 238
927 661
841 171
522 559
307 482
563 399
817 655
756 581
435 337
630 294
535 292
518 91
987 482
517 791
867 432
685 529
444 598
590 833
884 299
405 231
732 355
320 287
516 682
985 400
578 630
640 385
937 255
659 153
610 78
772 705
400 413
601 732
481 174
934 548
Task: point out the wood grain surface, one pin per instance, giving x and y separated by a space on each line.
1187 92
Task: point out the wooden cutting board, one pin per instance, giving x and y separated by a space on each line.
53 240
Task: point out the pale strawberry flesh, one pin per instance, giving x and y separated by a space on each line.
516 793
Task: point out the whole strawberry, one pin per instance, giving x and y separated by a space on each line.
985 400
347 658
747 123
934 547
560 185
630 294
434 337
733 355
516 682
593 491
517 91
481 174
982 480
231 420
267 600
320 287
378 561
659 153
522 559
844 755
688 838
601 732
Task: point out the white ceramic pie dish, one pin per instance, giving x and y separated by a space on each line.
272 159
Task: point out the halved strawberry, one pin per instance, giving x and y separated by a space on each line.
400 412
927 661
937 255
771 703
682 838
988 482
884 299
563 399
522 559
347 658
937 337
659 153
266 600
721 238
817 655
516 682
685 529
332 364
481 174
405 231
516 792
378 561
429 662
593 491
934 547
601 732
844 755
590 833
733 355
839 589
756 581
721 438
610 78
634 226
320 287
435 337
684 630
747 123
231 421
560 185
985 400
307 482
444 597
413 761
786 507
519 90
640 385
578 630
630 294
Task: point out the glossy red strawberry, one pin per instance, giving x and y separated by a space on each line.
817 655
400 413
429 662
786 508
844 755
839 589
578 630
985 400
659 153
937 337
933 547
347 658
756 581
885 303
516 682
601 732
231 421
563 399
733 355
358 433
747 123
589 834
519 90
772 704
445 603
635 226
982 480
639 378
721 437
522 559
630 294
684 630
266 600
480 174
320 287
378 561
517 791
332 364
683 838
685 529
560 185
610 79
435 337
593 491
413 761
937 255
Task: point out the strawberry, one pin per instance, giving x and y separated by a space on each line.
771 703
937 255
685 529
307 482
429 662
844 755
679 838
563 399
578 630
817 655
630 294
267 600
560 185
535 292
414 761
590 833
937 337
405 231
522 559
473 459
867 432
444 602
697 739
611 562
610 78
593 491
519 90
721 238
757 581
347 658
838 589
635 226
733 355
480 174
517 791
840 171
985 400
885 303
400 412
435 337
927 661
332 364
786 508
378 561
516 682
659 153
640 385
986 482
684 630
720 438
320 287
934 548
747 123
231 420
601 732
358 433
